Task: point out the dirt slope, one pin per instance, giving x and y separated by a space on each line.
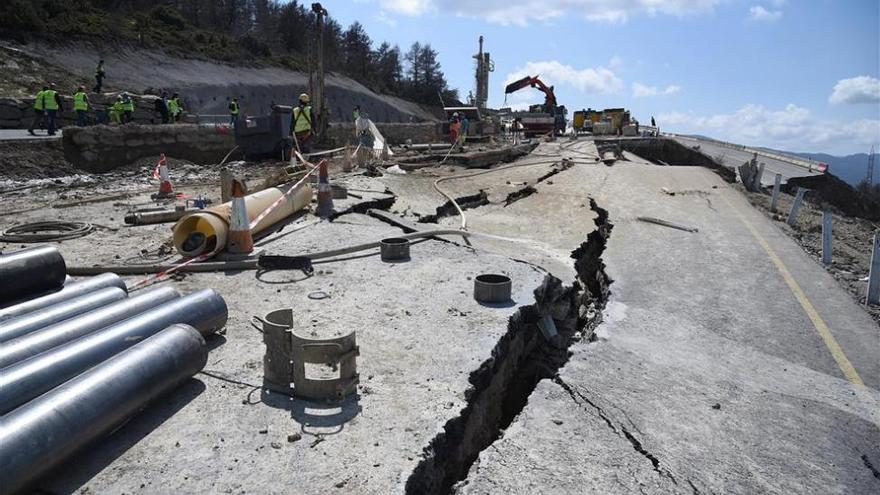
204 85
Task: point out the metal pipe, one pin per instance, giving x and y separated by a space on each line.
23 347
39 436
204 310
206 230
70 291
24 324
67 281
154 217
34 270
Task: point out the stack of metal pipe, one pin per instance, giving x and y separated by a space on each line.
79 358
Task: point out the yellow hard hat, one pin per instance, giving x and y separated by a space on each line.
304 98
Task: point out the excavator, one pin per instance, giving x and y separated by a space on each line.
540 119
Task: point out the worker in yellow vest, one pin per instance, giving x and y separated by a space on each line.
233 111
52 104
39 111
81 106
127 108
117 110
301 124
174 107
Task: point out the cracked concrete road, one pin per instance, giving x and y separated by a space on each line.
710 374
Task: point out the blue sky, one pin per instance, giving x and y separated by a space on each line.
789 74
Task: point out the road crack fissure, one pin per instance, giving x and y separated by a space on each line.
448 209
500 387
580 397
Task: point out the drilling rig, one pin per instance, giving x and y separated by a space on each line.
484 67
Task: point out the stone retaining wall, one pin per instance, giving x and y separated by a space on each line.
104 148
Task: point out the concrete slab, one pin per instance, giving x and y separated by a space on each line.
708 364
220 434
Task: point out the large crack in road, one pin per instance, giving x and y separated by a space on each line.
501 386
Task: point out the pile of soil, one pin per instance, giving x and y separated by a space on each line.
38 159
851 244
829 189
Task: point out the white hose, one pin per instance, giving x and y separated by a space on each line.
481 172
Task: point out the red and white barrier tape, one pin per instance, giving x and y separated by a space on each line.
284 196
202 257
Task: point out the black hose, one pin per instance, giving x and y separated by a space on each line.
46 232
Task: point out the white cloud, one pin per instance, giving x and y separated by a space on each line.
408 7
520 12
792 128
589 80
385 19
642 91
862 89
758 13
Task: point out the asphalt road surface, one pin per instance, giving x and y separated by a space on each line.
732 157
728 361
22 134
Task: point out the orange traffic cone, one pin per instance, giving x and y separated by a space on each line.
166 189
325 192
240 240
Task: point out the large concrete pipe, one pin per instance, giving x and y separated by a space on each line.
31 271
204 310
69 291
205 232
23 347
65 310
44 433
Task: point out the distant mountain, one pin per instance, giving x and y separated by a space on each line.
850 168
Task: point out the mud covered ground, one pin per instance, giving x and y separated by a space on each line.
851 244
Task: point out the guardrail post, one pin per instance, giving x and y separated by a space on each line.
756 184
827 219
776 187
796 206
874 276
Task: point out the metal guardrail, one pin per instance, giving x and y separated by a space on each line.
810 165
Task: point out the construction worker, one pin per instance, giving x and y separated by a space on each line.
465 125
233 111
174 107
127 108
116 110
81 106
356 113
301 124
52 104
99 76
653 124
454 128
39 111
161 106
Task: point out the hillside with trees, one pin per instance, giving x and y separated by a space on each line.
241 32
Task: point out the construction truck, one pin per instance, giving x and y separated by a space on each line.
549 118
583 120
611 121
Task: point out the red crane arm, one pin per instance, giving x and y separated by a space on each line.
549 96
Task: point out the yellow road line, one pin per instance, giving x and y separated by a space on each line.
830 341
